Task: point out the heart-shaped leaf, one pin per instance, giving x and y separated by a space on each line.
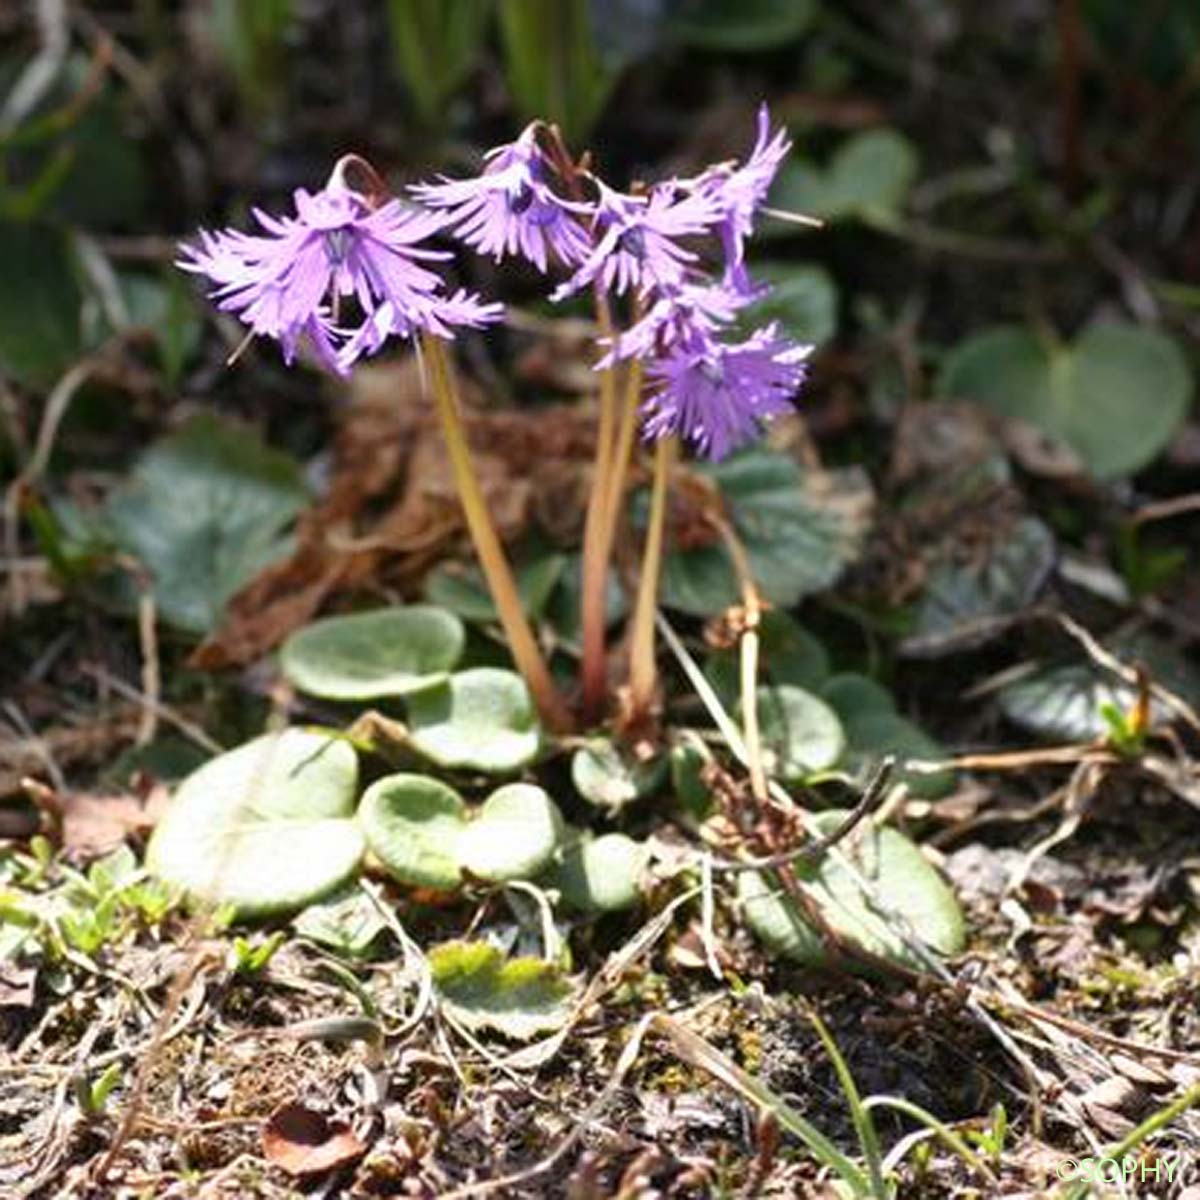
265 828
479 988
609 779
513 837
481 720
799 529
368 655
204 512
801 734
602 874
1116 395
869 175
897 873
742 25
412 824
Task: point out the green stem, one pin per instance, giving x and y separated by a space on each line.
643 672
522 643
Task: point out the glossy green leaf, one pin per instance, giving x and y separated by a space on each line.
513 836
850 694
204 511
1064 701
875 729
481 989
563 610
903 882
412 824
800 530
801 734
481 720
1116 395
369 655
265 828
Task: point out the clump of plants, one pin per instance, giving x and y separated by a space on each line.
680 362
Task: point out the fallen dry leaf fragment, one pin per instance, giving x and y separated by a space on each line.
390 512
303 1142
89 825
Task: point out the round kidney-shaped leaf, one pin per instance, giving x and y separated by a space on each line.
602 874
801 734
607 779
265 828
898 876
369 655
412 824
514 835
481 720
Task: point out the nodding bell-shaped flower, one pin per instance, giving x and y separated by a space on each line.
717 395
510 209
294 281
637 239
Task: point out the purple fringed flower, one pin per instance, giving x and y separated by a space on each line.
438 316
678 314
511 209
739 192
717 394
291 282
637 246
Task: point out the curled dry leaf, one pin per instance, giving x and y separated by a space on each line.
390 512
302 1142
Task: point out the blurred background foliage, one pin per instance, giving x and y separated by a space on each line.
1010 194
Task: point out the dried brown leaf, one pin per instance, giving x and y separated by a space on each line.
302 1142
91 825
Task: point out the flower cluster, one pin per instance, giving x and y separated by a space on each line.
348 255
295 281
713 390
